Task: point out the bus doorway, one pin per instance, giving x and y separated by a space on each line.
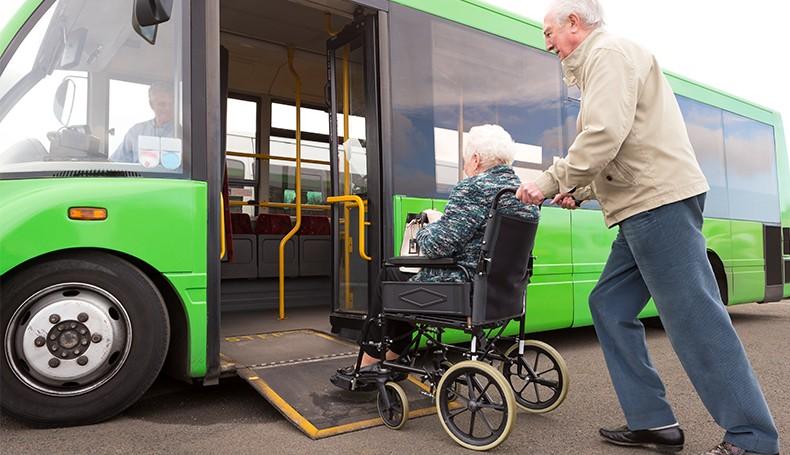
301 151
306 197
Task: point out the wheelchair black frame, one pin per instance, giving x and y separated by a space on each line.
431 328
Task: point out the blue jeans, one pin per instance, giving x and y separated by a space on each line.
661 253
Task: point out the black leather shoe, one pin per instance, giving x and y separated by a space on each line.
667 440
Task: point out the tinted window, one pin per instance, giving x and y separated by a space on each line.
751 169
571 109
447 78
704 126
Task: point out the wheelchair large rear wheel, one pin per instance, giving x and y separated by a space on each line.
475 405
395 410
539 377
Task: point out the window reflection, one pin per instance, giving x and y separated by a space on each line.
466 78
751 169
703 123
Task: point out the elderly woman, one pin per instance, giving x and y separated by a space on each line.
488 156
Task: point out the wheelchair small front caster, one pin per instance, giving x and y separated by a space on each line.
393 405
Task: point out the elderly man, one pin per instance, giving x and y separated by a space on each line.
633 155
160 98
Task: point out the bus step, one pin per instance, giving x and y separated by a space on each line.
292 369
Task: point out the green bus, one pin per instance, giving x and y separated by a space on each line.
158 156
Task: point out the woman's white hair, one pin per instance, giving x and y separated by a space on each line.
589 11
491 143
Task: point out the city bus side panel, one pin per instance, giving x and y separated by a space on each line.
159 222
718 234
748 262
550 292
403 206
592 243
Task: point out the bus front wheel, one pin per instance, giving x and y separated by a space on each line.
84 336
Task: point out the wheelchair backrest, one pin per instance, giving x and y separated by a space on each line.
503 270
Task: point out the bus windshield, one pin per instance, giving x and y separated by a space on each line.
84 91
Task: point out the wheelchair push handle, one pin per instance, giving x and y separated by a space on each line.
513 191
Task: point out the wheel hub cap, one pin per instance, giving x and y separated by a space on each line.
68 339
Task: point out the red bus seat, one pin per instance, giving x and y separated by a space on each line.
241 223
270 229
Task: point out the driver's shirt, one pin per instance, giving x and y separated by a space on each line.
128 150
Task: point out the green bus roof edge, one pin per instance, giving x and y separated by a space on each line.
16 22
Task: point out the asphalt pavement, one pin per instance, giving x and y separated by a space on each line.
175 418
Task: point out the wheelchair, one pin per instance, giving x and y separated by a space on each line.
477 398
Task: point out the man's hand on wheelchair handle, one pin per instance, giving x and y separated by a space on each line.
566 201
529 193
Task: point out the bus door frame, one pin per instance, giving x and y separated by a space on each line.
366 27
203 128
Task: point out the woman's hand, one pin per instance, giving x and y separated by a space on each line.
433 215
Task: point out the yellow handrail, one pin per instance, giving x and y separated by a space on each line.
328 24
347 243
298 177
222 246
361 206
280 205
265 156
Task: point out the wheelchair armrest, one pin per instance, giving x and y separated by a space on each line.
420 261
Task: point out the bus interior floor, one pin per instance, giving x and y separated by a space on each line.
257 321
291 369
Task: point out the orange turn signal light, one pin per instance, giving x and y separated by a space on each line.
88 213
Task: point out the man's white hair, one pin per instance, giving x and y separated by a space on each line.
491 143
589 11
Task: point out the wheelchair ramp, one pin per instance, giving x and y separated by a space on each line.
292 369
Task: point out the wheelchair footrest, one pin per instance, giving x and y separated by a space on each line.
365 381
346 382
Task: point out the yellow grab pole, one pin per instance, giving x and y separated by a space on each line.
298 223
222 246
347 242
353 199
328 24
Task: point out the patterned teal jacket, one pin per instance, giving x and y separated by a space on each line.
459 233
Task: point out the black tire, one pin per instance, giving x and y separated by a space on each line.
473 391
396 414
125 362
548 387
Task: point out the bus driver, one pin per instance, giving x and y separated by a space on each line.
160 98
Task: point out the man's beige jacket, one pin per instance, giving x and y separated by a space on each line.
632 151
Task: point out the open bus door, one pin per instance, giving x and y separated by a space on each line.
353 93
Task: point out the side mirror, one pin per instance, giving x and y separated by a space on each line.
148 14
152 12
148 33
64 101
